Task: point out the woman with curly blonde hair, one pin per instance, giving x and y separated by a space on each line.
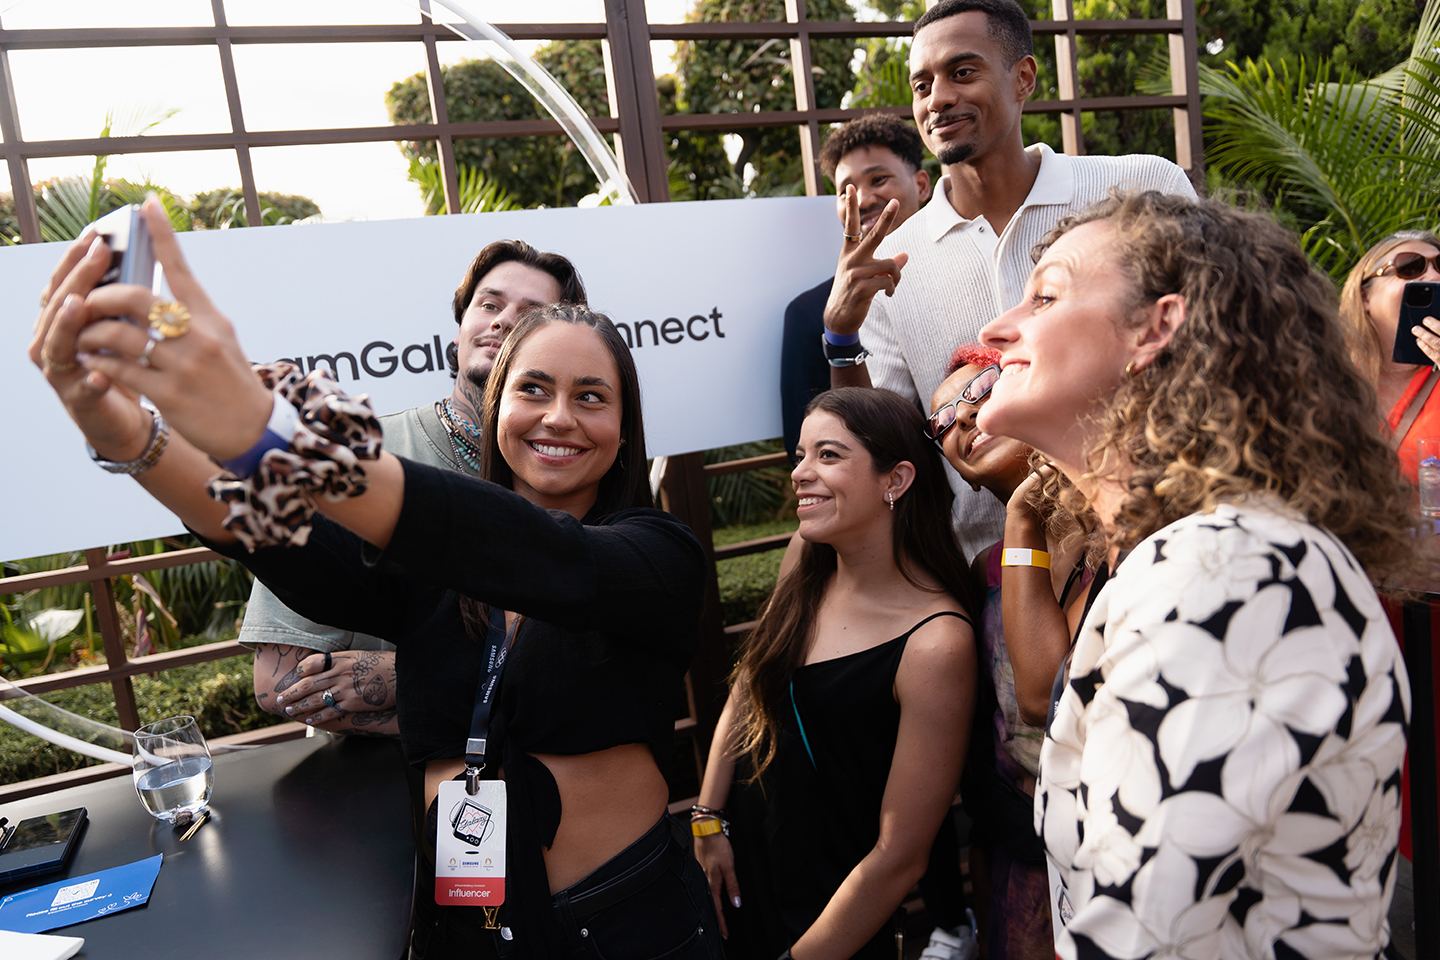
1220 773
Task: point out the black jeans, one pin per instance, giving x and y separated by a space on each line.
650 901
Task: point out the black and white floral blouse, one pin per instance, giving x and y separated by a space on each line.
1222 775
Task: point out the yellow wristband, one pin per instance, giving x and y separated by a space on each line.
1020 557
704 828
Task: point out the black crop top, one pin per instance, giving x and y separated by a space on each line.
611 610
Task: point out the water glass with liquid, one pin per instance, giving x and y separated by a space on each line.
172 769
1430 476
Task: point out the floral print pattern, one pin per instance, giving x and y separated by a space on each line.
1221 777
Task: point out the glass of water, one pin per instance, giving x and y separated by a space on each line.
172 769
1429 450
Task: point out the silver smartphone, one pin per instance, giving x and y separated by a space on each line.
132 258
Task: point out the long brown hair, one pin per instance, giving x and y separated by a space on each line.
625 485
1255 394
890 429
1366 349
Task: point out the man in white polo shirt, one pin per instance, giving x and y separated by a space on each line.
965 256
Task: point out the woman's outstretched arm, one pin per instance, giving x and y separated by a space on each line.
201 382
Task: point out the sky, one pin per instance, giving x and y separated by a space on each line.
67 94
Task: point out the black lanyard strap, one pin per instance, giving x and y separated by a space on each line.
497 648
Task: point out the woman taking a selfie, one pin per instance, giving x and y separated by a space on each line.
554 597
839 749
1220 776
1370 308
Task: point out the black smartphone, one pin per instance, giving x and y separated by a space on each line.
132 259
470 822
41 845
1417 301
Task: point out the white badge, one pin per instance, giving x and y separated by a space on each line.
470 845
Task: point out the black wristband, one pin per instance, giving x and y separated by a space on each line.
843 355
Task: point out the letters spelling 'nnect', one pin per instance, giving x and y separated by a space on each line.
671 330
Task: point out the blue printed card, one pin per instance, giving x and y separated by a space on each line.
80 899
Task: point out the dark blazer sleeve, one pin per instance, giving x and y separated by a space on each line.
804 371
642 567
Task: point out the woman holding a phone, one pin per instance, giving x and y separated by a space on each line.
1370 306
547 611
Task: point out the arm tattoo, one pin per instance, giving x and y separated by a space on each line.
293 676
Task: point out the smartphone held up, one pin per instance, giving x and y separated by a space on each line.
1418 301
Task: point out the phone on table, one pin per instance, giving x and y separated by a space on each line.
40 845
1417 301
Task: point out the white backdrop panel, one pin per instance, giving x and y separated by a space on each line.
373 300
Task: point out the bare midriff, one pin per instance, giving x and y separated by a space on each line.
608 800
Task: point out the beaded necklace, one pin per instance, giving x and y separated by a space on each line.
466 451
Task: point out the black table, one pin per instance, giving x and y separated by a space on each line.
308 853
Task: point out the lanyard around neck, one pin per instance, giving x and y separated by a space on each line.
497 648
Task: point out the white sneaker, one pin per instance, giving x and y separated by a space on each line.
960 945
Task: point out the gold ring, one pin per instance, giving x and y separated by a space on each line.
855 238
51 365
169 319
44 301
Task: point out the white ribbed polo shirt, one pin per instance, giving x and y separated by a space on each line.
961 276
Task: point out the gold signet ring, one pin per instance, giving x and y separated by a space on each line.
169 319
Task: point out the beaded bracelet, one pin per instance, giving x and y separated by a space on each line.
159 439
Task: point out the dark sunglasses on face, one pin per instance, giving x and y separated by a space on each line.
1408 265
972 393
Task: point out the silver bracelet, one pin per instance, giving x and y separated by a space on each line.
159 437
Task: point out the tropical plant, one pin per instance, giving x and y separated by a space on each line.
1344 159
477 194
224 209
753 496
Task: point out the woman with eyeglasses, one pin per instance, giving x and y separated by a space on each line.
1370 308
840 747
1035 580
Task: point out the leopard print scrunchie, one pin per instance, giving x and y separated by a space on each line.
274 505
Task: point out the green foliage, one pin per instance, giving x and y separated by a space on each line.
477 195
749 497
201 600
532 171
746 582
225 208
743 76
220 695
1344 159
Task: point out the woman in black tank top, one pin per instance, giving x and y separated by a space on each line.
840 747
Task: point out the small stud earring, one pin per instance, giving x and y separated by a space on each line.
891 498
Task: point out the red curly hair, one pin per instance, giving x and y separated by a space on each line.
968 353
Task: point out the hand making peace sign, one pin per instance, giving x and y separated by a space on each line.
859 275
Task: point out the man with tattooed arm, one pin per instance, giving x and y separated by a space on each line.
343 681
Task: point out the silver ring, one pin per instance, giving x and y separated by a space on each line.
144 358
329 698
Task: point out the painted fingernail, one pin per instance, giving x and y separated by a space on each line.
289 709
84 356
309 719
736 901
279 698
96 246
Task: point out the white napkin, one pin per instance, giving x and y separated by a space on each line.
37 946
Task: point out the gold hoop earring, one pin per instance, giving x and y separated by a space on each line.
1130 370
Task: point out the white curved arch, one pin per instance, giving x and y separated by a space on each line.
556 100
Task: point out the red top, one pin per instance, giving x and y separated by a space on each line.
1427 424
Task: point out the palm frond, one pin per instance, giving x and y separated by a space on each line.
477 193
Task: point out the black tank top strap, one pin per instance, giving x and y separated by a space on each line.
942 613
